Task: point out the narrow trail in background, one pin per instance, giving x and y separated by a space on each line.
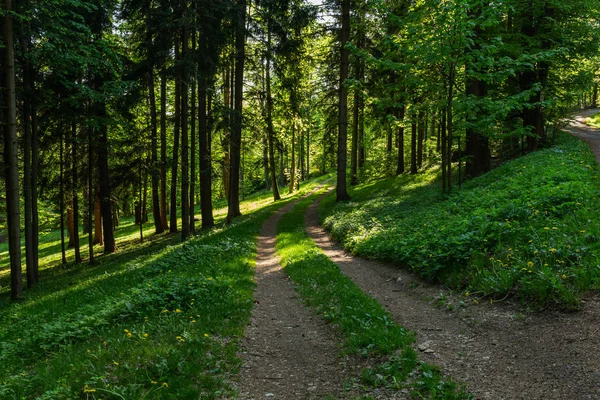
496 351
289 353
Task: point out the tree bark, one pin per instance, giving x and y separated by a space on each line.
90 193
193 147
233 200
74 193
27 142
156 215
175 162
163 148
293 163
341 189
61 194
270 130
205 159
10 157
185 183
400 117
103 175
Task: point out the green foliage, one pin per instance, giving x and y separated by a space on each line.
528 228
158 322
594 120
368 330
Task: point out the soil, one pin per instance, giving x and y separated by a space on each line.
288 352
498 351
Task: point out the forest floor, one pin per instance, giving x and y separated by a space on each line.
499 350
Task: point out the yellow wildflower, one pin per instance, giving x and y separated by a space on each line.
145 335
116 363
153 382
564 276
178 310
530 264
553 250
206 335
165 385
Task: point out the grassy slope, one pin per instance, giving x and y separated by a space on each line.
159 322
529 228
593 120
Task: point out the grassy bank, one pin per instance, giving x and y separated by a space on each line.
160 322
593 120
367 329
529 228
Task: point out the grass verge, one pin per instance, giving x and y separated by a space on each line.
529 228
593 120
161 322
368 330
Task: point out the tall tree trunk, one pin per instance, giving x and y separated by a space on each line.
61 194
163 148
27 194
175 162
185 177
270 130
400 117
355 129
413 143
193 147
233 200
205 159
450 125
35 163
293 163
227 95
13 217
421 138
341 190
156 216
74 193
98 237
91 196
361 135
103 175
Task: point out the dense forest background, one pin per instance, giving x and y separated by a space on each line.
159 108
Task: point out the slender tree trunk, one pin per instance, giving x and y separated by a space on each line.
74 194
595 96
193 147
355 129
450 125
90 193
413 143
34 188
293 163
421 138
185 177
27 141
103 175
233 200
270 130
10 156
341 190
400 166
175 162
443 149
361 135
156 216
98 237
61 194
163 149
205 160
227 94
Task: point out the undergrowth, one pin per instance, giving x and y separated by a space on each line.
368 330
162 322
529 228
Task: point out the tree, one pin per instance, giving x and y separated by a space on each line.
341 190
10 154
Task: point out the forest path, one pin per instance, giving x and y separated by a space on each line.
578 128
289 353
498 351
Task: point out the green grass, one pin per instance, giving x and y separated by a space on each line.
530 228
593 120
367 329
158 321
